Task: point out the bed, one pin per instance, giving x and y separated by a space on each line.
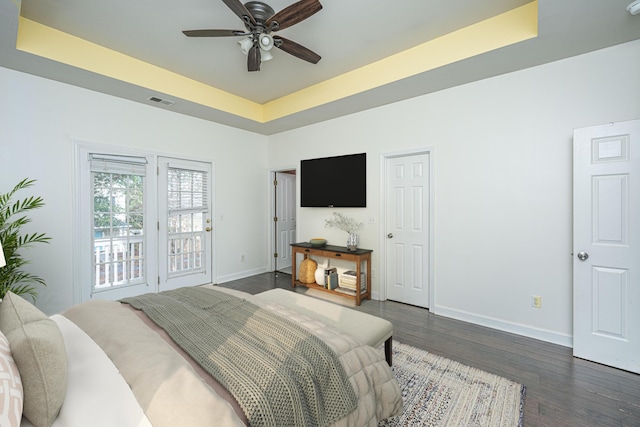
104 363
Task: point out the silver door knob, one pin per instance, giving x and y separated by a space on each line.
390 236
583 256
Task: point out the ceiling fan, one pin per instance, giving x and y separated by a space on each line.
260 21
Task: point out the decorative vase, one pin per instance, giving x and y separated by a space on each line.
307 271
320 273
352 242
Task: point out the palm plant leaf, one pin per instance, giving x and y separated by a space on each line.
12 219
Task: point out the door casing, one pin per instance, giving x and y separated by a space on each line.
285 212
271 199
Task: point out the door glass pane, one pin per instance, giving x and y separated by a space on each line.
186 197
118 223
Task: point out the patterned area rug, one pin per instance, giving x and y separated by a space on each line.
440 392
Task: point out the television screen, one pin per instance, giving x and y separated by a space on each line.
335 182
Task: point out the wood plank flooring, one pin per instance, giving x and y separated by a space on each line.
561 390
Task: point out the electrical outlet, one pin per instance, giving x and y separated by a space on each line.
536 301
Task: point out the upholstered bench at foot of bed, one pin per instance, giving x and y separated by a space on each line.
368 329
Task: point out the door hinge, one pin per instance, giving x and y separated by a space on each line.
275 254
275 182
275 219
158 280
158 170
158 225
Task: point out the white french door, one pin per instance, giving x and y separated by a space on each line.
606 264
407 228
185 225
114 217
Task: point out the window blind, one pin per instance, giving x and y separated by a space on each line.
187 190
131 165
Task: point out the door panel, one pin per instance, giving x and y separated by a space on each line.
610 200
407 229
607 244
285 213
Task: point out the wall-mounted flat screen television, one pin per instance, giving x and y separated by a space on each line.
334 182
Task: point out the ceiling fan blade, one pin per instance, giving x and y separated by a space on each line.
239 9
214 33
296 50
253 59
295 13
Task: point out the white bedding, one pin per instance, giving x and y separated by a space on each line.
97 395
122 373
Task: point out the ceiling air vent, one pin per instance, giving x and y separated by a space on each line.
161 101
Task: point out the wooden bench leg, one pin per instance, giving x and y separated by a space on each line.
388 351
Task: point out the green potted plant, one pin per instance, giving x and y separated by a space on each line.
13 240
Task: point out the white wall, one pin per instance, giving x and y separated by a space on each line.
503 181
40 118
502 177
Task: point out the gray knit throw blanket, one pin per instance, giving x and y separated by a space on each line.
280 374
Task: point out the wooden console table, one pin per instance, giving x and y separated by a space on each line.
334 252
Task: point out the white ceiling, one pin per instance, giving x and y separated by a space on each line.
347 34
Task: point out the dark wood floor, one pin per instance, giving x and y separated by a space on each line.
561 390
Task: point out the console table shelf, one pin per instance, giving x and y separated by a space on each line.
334 252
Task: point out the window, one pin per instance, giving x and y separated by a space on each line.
187 206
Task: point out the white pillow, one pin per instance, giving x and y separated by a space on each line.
10 387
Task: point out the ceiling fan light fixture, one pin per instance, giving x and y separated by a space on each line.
245 44
265 55
634 7
266 41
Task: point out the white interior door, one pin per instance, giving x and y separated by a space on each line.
285 218
407 230
184 223
606 287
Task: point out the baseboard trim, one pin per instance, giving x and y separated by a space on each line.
240 275
501 325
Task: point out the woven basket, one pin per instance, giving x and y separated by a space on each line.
307 272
